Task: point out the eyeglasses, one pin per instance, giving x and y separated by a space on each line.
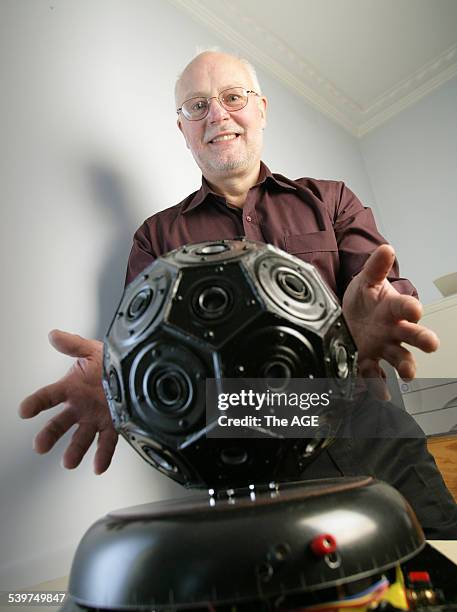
232 99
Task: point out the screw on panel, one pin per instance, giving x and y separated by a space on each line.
279 553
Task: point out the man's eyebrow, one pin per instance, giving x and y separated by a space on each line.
204 94
195 94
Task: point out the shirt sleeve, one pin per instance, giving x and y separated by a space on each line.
357 237
142 253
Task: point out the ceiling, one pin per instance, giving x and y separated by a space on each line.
359 62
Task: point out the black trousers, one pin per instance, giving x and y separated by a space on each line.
381 440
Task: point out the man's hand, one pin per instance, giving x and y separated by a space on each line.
381 319
81 393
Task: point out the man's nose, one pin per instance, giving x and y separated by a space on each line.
216 111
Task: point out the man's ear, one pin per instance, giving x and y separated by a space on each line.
263 103
179 124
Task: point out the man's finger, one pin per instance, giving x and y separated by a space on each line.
402 360
44 398
53 431
405 307
417 335
70 344
107 440
79 445
378 265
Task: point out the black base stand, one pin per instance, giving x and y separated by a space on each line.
276 548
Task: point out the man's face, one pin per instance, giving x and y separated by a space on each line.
224 143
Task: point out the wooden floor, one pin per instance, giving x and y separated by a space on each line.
444 449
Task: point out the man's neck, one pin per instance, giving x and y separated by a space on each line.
235 188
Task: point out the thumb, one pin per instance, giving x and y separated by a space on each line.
378 265
70 344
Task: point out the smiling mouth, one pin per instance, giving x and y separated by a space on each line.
223 138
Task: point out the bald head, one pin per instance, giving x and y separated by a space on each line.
207 61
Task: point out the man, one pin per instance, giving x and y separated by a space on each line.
222 114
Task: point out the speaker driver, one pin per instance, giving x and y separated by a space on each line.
294 285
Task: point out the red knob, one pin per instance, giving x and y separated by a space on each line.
419 577
323 544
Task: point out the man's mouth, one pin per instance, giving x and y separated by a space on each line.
224 137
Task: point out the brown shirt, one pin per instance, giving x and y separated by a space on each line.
321 222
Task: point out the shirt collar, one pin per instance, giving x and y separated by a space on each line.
205 191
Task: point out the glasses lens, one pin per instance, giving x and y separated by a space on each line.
234 98
195 108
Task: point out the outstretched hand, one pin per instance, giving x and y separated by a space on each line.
84 404
381 320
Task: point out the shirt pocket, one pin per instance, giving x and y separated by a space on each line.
306 246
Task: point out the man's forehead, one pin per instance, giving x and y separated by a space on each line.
205 75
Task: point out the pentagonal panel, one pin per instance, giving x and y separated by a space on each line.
141 308
210 252
293 288
167 387
212 303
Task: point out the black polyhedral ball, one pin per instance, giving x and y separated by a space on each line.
224 309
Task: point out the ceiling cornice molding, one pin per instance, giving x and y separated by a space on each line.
424 80
304 79
408 99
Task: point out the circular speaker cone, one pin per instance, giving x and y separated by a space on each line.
277 374
213 249
213 302
276 369
276 354
295 288
233 456
341 361
139 304
294 285
169 389
221 251
159 460
114 385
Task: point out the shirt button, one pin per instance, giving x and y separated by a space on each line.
248 219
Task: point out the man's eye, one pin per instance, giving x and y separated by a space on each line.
232 98
198 105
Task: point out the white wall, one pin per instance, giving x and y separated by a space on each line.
89 150
412 163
